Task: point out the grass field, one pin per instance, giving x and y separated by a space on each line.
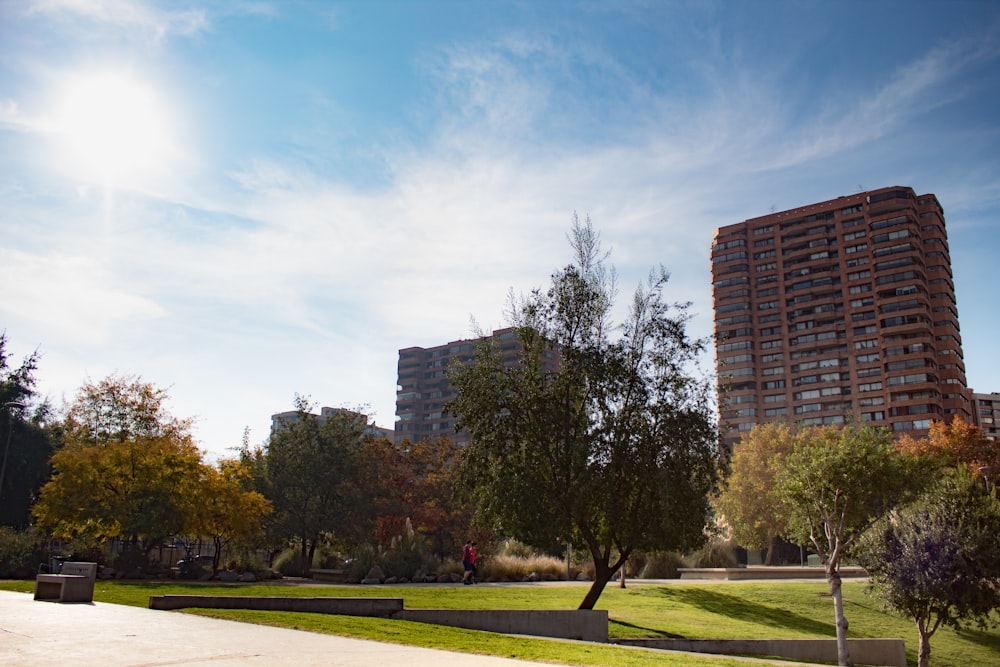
754 610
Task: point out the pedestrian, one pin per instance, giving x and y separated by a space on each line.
468 554
472 559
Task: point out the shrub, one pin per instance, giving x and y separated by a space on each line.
362 560
20 553
511 547
289 563
512 568
716 553
662 565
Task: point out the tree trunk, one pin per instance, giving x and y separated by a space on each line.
770 551
924 650
833 576
601 580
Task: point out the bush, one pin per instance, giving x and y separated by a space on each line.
716 553
511 547
289 563
362 560
512 568
20 553
662 565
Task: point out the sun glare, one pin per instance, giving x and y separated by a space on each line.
114 129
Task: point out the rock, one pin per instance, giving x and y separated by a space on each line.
391 580
371 581
248 577
375 573
229 576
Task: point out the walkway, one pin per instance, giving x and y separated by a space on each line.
108 635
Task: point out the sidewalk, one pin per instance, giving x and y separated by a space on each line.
108 635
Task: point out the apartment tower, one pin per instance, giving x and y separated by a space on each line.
842 310
423 389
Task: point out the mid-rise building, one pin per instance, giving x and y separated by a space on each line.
282 420
986 413
423 390
839 310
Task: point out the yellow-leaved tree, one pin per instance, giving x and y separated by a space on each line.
126 469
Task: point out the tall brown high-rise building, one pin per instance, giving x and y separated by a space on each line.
838 311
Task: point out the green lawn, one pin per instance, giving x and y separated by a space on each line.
688 610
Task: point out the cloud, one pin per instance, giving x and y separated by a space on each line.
128 15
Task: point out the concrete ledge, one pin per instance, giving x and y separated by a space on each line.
765 572
588 625
336 576
583 624
890 652
380 607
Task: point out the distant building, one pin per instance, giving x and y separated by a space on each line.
839 310
283 419
986 413
423 389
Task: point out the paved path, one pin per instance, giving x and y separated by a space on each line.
109 635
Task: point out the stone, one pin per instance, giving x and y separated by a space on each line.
229 576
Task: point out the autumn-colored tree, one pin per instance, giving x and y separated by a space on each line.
414 481
749 502
956 443
225 510
127 468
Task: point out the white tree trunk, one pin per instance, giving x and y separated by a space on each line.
833 577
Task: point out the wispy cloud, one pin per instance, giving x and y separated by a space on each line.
127 15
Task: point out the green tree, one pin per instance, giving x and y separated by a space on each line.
312 472
26 438
749 501
615 448
935 560
126 469
836 483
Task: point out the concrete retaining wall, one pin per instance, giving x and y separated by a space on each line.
890 652
565 624
587 625
380 607
765 572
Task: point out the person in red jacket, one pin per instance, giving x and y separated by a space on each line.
468 562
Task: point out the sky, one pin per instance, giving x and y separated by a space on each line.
245 201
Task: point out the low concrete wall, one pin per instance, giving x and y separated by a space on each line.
765 572
587 625
890 652
380 607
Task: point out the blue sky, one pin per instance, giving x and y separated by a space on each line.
241 201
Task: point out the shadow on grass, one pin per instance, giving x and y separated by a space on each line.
650 633
739 609
980 637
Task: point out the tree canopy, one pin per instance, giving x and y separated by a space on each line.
935 560
836 483
310 470
614 448
749 502
126 468
27 438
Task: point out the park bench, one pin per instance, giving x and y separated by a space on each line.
74 583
